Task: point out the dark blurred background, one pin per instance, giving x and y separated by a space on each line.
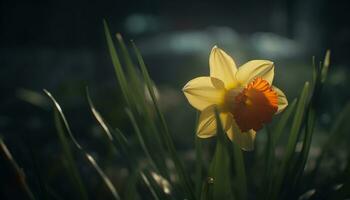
60 46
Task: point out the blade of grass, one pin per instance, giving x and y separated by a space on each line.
320 77
98 116
72 167
143 113
141 139
344 192
150 146
59 115
104 177
220 168
292 140
325 67
240 172
199 166
273 138
65 122
151 186
130 191
335 135
199 161
306 147
130 67
166 137
116 137
134 99
20 176
278 130
206 189
135 82
117 66
122 143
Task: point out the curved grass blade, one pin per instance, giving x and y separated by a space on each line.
157 162
151 186
273 138
65 122
72 167
98 116
166 137
59 115
20 176
140 138
103 176
117 66
319 79
292 140
116 137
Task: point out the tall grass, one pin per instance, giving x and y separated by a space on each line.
228 176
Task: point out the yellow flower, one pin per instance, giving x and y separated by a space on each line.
244 97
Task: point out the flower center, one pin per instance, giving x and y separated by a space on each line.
253 105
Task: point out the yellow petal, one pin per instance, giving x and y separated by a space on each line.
254 69
202 92
207 122
282 100
245 140
222 66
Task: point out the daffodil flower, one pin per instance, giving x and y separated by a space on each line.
244 97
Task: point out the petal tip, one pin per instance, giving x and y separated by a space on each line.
203 135
184 88
215 47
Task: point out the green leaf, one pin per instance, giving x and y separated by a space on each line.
281 124
130 192
325 67
72 167
199 162
59 115
273 138
117 66
166 137
98 116
310 122
292 140
241 179
309 129
104 177
335 135
152 186
220 169
141 139
19 173
116 137
130 67
220 172
133 77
